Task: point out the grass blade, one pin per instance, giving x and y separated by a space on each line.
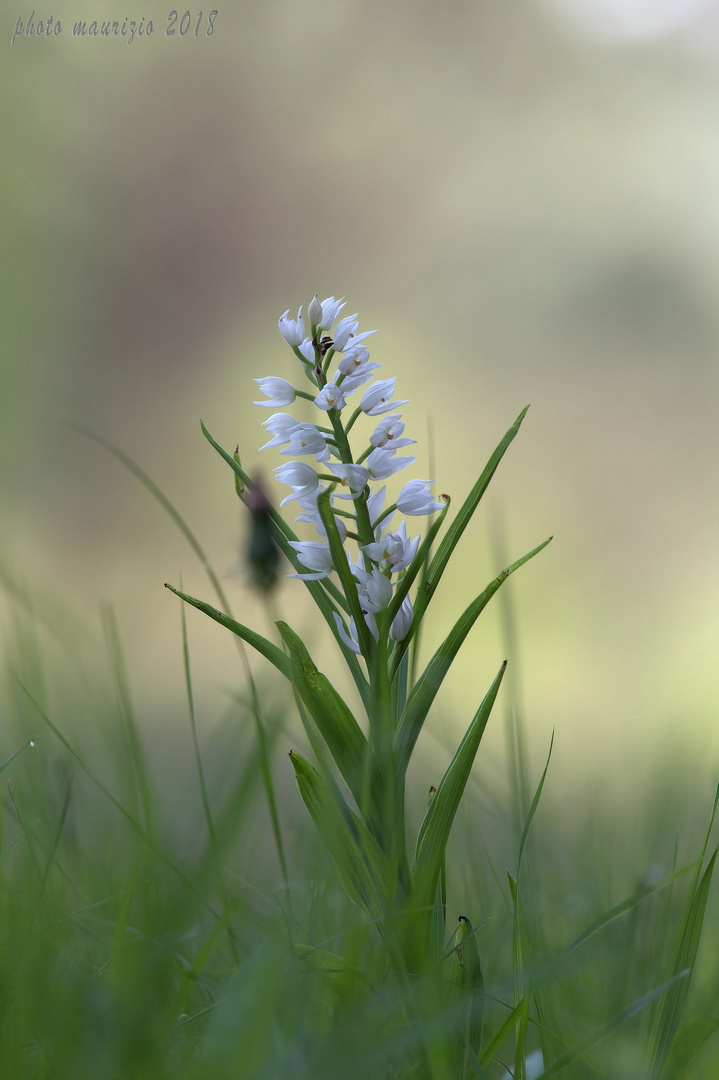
360 862
427 686
533 809
670 1011
435 828
467 975
464 515
577 1052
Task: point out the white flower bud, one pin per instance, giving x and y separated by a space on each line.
402 621
314 311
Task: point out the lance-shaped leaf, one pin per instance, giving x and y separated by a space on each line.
362 865
324 593
266 648
435 828
470 504
685 954
438 922
665 1021
426 687
333 717
520 1037
466 974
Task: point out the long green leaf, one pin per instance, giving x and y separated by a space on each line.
522 1000
577 1052
334 719
670 1011
257 641
689 1041
533 809
435 828
362 865
622 908
426 687
466 973
27 745
470 504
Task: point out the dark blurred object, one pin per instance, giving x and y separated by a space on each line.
263 553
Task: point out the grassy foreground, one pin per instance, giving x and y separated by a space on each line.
146 930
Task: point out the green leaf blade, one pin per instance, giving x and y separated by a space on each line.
427 686
261 644
464 515
671 1009
362 865
334 719
435 828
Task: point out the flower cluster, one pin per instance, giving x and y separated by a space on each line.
356 504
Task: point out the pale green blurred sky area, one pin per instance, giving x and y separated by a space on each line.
527 207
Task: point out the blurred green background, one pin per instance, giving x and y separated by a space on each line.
526 210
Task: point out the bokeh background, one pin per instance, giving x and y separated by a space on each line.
522 197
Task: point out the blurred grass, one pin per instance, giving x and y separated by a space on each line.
125 953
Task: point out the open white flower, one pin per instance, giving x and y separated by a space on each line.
354 359
293 331
376 399
302 479
280 425
383 463
374 589
389 433
330 397
315 555
360 377
394 551
346 333
354 477
330 310
279 391
306 439
415 498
